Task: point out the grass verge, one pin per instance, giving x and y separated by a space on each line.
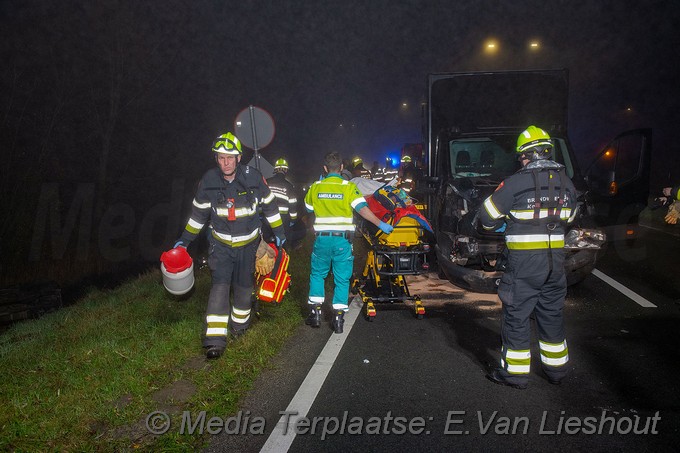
85 378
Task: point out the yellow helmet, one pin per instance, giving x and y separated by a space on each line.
281 164
227 144
357 161
532 137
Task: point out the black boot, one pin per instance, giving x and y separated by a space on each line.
314 317
338 321
214 352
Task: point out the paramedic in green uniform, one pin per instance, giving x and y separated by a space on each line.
332 200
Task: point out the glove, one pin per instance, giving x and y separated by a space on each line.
280 241
179 243
673 213
265 257
386 227
264 265
501 228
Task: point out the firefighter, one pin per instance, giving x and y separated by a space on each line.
358 170
408 174
227 199
532 208
284 191
332 200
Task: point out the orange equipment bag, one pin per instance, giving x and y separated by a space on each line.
273 286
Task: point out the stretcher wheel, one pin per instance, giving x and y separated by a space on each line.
370 311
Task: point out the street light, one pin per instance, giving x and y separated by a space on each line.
534 45
491 47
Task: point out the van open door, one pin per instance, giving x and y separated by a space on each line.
618 182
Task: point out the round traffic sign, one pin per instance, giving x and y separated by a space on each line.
254 126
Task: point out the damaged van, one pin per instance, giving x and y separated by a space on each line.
472 123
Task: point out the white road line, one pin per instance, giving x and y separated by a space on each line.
625 291
283 435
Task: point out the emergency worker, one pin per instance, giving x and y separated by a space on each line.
671 197
532 207
408 174
284 191
227 199
358 170
332 200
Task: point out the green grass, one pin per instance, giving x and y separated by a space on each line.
83 378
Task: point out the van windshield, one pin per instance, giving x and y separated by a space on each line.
495 157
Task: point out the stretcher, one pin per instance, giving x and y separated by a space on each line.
392 257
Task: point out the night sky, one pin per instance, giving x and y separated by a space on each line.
187 68
130 94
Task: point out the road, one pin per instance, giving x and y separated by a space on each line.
410 384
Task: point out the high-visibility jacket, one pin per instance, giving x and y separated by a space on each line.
536 202
332 200
284 191
231 207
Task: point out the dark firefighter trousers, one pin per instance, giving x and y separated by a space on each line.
531 285
231 268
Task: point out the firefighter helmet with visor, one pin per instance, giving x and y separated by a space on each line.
227 144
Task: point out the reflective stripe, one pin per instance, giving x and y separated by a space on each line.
216 331
517 361
516 369
240 212
334 228
293 215
357 201
331 220
491 209
292 200
269 199
555 361
193 226
553 347
216 318
554 354
217 325
281 196
534 241
316 299
274 218
528 214
283 209
240 312
236 241
524 354
309 207
239 316
201 205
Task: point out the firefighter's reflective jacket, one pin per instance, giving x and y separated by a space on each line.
284 192
231 208
536 203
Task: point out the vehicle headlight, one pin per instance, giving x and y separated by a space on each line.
583 238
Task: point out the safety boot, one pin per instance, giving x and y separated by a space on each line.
314 317
214 352
338 321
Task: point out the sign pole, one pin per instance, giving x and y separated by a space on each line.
253 131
